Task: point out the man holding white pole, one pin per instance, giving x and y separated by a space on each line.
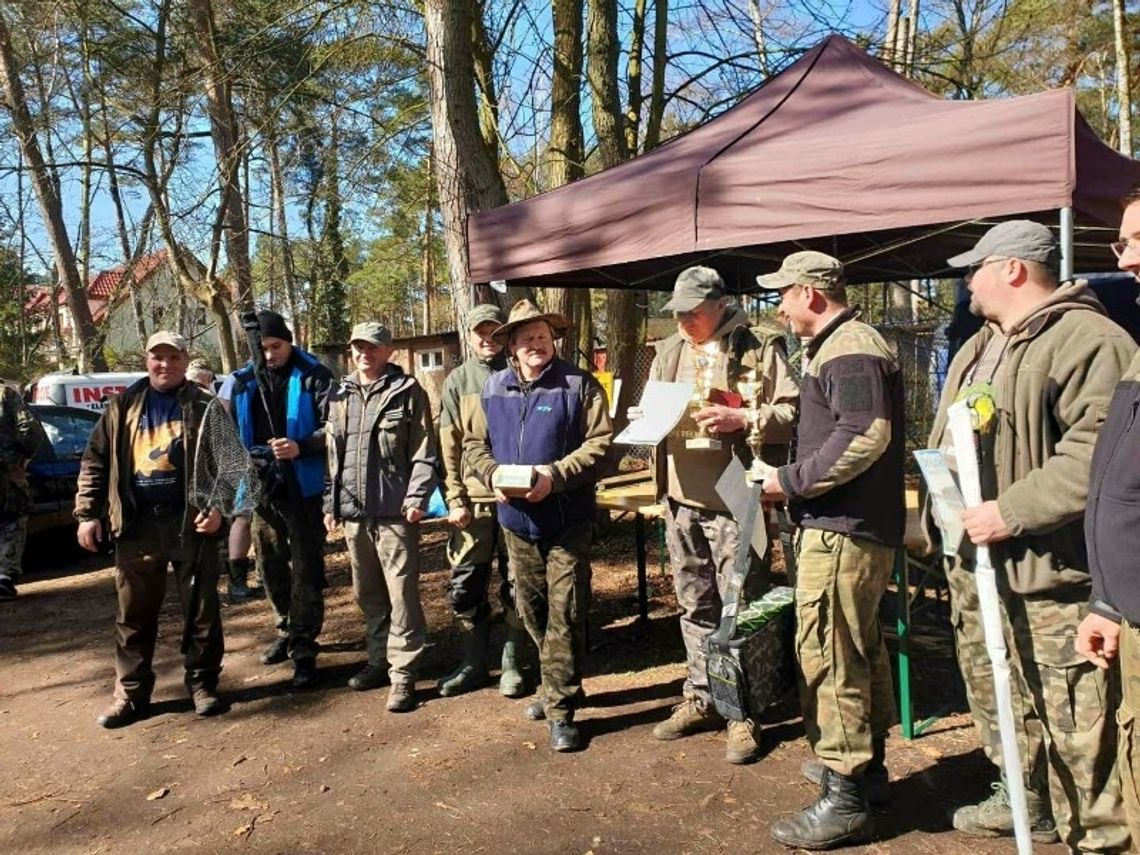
1039 376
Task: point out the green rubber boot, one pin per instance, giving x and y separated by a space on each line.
472 673
512 684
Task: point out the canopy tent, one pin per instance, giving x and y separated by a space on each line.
837 153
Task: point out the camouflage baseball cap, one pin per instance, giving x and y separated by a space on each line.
171 339
1022 239
483 313
693 287
805 268
371 332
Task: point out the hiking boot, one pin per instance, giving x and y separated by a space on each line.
240 592
876 780
564 736
276 652
743 746
472 674
7 589
688 718
369 677
993 817
206 701
402 698
512 684
839 817
123 712
305 674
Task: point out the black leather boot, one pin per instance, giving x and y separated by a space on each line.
839 817
238 572
876 780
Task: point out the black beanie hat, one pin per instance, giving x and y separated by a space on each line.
273 325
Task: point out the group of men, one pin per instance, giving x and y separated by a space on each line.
1059 519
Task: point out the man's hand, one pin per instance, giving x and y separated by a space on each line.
501 497
284 449
720 419
984 524
1098 639
542 486
207 522
413 514
771 491
90 535
330 523
459 517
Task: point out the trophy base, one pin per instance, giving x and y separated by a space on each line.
703 443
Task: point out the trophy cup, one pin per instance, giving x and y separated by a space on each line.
707 358
750 389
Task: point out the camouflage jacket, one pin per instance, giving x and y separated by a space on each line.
21 436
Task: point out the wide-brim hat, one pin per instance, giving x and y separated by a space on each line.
523 312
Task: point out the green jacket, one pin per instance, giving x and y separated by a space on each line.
459 401
1052 389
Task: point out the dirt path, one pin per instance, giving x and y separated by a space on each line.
330 771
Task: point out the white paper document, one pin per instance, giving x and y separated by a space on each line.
944 493
662 405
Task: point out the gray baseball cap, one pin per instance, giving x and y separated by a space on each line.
483 313
1022 239
371 332
693 287
805 268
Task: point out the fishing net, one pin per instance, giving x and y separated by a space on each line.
224 475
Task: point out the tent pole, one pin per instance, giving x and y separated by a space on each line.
1066 244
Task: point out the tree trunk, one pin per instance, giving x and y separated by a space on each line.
467 174
891 48
660 60
757 15
633 77
89 357
277 177
483 55
1123 77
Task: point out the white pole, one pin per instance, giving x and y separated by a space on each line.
1066 241
965 451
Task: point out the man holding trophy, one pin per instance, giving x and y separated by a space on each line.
716 350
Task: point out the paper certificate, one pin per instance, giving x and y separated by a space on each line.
662 405
945 495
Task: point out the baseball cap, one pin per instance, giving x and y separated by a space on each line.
817 269
1024 239
167 337
485 312
371 332
693 286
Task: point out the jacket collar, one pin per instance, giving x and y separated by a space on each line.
849 314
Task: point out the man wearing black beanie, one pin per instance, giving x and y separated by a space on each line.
283 426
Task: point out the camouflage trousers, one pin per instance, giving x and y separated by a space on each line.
552 590
13 537
386 578
1071 701
978 675
702 548
846 692
471 551
1128 740
291 564
142 556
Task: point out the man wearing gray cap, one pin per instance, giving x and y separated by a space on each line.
475 539
700 533
845 491
135 475
381 461
1048 358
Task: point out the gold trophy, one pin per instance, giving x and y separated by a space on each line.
750 388
708 356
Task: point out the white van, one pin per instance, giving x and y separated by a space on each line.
87 391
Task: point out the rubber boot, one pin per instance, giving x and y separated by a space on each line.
839 817
512 684
472 674
238 571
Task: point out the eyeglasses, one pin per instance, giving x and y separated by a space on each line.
1119 247
974 268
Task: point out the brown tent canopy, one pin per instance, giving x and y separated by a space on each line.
836 153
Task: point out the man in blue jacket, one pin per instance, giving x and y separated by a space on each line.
543 413
283 426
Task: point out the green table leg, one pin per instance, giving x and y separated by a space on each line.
906 704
